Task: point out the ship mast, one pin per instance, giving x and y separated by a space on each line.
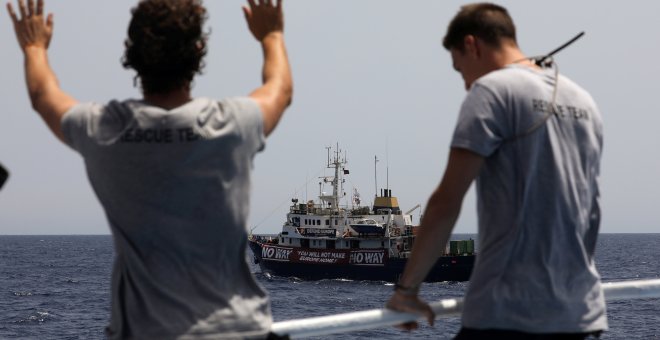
387 168
375 177
336 163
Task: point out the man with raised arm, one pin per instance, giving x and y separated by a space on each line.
533 141
171 171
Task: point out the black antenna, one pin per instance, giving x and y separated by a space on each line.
539 61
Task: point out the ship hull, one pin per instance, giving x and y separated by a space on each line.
350 264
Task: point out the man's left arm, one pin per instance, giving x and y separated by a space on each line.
34 33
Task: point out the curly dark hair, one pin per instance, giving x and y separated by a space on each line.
166 43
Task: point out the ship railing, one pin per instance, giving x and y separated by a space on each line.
378 318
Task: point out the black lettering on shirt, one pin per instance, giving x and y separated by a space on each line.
187 135
561 111
158 136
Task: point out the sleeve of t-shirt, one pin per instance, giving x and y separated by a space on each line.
249 120
482 122
75 124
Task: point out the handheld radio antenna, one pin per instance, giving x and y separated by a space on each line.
3 175
539 61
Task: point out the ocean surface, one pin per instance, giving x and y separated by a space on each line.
57 287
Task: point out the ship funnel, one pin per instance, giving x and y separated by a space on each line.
387 202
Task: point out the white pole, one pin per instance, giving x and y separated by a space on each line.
626 290
378 318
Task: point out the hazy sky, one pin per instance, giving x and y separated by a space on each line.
369 75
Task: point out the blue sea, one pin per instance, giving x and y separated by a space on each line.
57 287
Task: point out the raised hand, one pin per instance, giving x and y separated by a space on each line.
263 17
31 28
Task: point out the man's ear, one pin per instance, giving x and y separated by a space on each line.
471 46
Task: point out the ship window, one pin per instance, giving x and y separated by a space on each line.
327 222
318 222
289 241
335 222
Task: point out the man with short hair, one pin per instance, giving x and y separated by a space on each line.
171 171
532 140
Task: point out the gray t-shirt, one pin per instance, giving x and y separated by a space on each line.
175 188
537 204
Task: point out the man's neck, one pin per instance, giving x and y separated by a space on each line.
511 54
169 100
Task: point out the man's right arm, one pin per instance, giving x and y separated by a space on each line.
34 32
441 214
266 22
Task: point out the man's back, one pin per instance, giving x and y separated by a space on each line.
172 175
174 186
537 203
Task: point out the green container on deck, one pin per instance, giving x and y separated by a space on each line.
470 246
453 247
462 247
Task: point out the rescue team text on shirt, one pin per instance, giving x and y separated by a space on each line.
563 111
159 135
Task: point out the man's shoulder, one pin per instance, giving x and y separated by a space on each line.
111 106
573 86
514 79
509 75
